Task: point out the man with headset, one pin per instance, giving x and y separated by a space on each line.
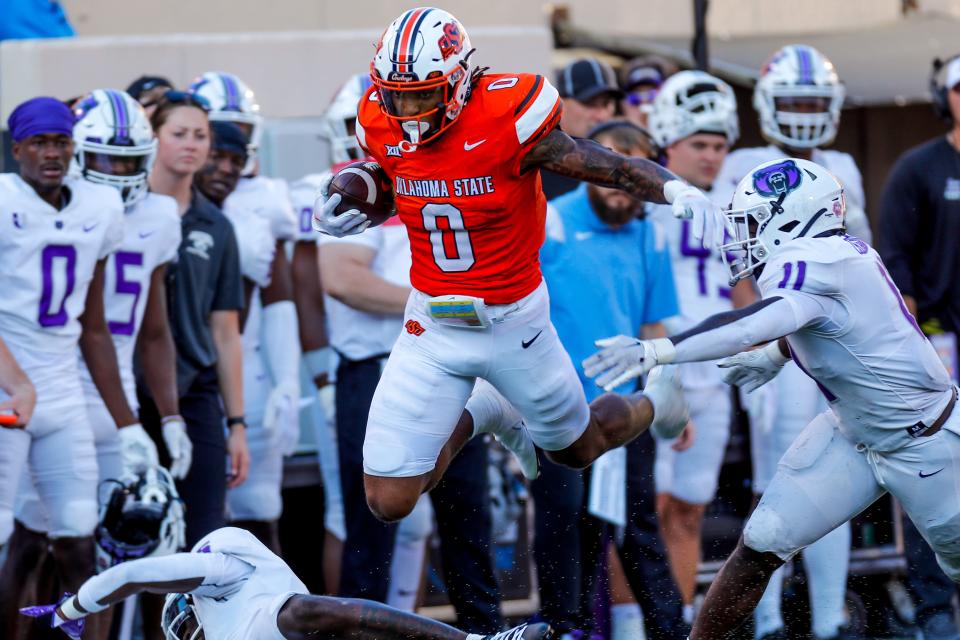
919 227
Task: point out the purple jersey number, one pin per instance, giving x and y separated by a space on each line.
306 217
699 252
54 257
121 260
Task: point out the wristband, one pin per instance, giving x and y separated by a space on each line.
664 349
172 418
235 420
317 361
775 354
69 611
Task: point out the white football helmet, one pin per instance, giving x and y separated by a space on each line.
114 143
799 97
179 619
692 102
777 202
423 49
142 518
340 120
232 101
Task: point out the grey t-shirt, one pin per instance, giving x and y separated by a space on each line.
204 277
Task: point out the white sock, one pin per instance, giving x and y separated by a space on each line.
626 622
484 406
688 613
409 549
826 562
767 616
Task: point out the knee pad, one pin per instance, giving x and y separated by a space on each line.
767 532
945 540
74 519
418 525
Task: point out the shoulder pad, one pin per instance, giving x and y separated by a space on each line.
811 265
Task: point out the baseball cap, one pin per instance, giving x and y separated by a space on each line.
144 83
638 72
586 79
952 76
227 136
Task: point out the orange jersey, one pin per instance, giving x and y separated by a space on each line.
475 222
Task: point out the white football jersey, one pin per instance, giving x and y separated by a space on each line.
246 608
841 165
151 237
303 194
47 261
875 367
703 287
266 197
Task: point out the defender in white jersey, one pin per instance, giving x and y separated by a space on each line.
271 373
891 425
694 121
798 100
231 587
57 234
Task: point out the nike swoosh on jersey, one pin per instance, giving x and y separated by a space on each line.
87 229
147 234
467 146
927 475
583 235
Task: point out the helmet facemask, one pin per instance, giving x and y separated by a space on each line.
179 619
421 128
125 168
745 252
804 127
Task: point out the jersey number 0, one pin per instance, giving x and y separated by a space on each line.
452 250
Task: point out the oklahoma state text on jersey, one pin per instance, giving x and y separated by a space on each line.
475 222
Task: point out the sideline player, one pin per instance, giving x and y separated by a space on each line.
694 121
891 425
798 99
467 183
231 100
271 352
114 146
59 232
231 586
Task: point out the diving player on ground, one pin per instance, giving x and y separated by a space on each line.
463 150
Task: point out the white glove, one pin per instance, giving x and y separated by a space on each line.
750 370
689 203
281 417
622 358
137 449
257 246
174 432
326 221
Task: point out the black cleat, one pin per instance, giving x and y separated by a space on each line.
779 634
538 631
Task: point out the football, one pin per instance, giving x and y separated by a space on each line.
365 186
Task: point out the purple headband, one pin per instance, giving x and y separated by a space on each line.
38 116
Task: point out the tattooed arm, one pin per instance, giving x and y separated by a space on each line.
646 180
587 160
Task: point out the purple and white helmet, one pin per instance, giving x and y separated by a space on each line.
776 203
231 100
141 518
113 143
340 120
799 97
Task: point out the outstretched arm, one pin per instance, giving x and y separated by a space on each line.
592 162
205 573
587 160
724 334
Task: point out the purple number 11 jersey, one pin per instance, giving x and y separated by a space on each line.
859 343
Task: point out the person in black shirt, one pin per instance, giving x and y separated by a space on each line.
204 297
920 245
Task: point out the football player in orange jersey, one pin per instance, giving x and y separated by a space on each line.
463 150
